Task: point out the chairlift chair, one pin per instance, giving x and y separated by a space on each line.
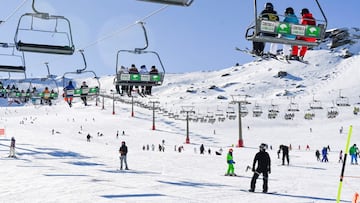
61 31
289 115
257 110
332 112
253 33
172 2
139 79
82 92
316 104
342 101
309 114
230 113
13 60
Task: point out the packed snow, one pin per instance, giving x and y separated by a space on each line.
56 163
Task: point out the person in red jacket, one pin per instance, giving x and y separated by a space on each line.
306 19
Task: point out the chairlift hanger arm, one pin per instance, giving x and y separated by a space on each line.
146 38
85 64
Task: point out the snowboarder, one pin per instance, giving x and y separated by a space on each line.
285 154
123 152
12 147
353 153
263 161
230 162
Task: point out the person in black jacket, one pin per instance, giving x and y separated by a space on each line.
285 154
123 152
263 161
267 14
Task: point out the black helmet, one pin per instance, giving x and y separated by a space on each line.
289 10
263 147
269 6
305 11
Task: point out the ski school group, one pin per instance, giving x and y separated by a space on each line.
289 52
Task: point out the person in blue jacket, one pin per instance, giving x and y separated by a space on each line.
290 17
69 93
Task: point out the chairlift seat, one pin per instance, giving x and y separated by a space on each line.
278 28
139 79
44 48
17 69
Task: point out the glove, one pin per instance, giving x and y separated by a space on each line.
253 170
233 162
269 171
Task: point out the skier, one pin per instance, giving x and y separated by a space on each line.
268 14
88 136
202 149
12 148
317 154
230 162
324 155
123 152
285 154
341 156
263 161
307 19
353 153
290 17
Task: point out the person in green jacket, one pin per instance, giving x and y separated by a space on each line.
230 162
353 151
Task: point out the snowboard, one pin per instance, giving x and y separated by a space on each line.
258 192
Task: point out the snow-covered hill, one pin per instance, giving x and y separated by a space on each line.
56 164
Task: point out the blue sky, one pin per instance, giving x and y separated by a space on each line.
197 38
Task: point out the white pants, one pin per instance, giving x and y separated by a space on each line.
273 48
287 49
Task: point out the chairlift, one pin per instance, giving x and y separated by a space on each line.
289 115
91 92
172 2
257 110
244 111
342 100
219 114
316 104
230 113
273 111
332 112
253 32
356 109
139 79
309 114
13 60
54 38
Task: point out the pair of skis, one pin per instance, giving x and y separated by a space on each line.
268 56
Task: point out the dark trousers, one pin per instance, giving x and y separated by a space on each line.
265 180
258 48
285 156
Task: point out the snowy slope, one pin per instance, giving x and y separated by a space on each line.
63 167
